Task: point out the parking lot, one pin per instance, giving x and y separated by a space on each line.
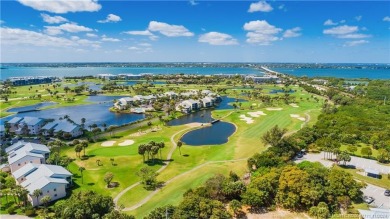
376 192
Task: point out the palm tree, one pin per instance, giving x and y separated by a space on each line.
179 144
161 146
141 151
36 193
81 169
45 200
84 144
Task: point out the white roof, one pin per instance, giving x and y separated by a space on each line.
13 157
40 170
41 183
28 168
27 146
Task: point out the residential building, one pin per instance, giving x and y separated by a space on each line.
32 172
107 76
171 94
207 102
30 80
22 153
187 106
53 187
13 123
66 127
26 125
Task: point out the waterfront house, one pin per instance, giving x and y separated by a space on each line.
26 125
207 102
66 127
13 123
263 79
29 80
107 76
184 107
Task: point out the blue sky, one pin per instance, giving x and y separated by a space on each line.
199 31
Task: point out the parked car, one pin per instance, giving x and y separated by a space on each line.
387 192
368 199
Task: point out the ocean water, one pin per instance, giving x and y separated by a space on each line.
348 73
337 73
83 71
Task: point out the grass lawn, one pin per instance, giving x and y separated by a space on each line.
359 147
241 145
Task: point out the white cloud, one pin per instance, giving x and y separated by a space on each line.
345 32
68 27
53 19
358 18
341 30
2 22
329 22
215 38
169 30
139 32
193 3
111 18
141 50
62 6
281 7
355 43
294 32
354 36
15 36
387 18
260 6
142 33
261 32
110 39
92 35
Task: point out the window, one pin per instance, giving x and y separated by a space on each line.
55 189
47 191
55 195
18 164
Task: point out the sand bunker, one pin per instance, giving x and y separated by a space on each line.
126 143
257 114
108 143
294 105
297 117
248 120
273 109
254 104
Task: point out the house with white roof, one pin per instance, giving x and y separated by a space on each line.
187 106
26 125
207 102
63 126
53 187
21 158
22 153
13 123
170 94
33 172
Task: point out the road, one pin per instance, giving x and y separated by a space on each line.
376 192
